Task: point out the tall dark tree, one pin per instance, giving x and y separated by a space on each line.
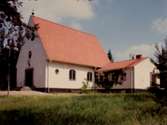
161 63
110 56
12 33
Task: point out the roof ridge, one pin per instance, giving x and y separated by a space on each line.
129 60
123 61
68 27
122 64
138 61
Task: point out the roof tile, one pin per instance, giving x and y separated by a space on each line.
121 64
64 44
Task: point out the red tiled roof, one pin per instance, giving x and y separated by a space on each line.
64 44
121 64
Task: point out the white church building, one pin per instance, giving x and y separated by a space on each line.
62 58
59 58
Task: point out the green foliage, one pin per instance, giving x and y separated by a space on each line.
96 109
107 83
160 95
13 31
85 86
161 63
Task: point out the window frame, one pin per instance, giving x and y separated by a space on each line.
124 76
29 54
89 76
72 74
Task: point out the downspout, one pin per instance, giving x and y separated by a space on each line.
133 79
47 76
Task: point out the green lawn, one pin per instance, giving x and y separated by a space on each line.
92 109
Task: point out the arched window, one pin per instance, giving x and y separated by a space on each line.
29 54
72 74
89 76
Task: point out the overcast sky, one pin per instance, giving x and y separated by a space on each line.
124 26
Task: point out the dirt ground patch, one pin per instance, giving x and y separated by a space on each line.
22 93
36 93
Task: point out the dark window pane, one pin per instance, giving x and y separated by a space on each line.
89 76
72 74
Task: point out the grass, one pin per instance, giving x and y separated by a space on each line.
91 109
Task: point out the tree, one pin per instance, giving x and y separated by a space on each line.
12 34
107 79
110 56
161 63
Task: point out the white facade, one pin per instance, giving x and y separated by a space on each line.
61 79
37 62
138 76
142 74
44 75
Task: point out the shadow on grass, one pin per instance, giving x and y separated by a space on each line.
160 95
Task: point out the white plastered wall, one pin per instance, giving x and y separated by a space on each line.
142 74
37 61
61 79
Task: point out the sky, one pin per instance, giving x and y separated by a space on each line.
126 27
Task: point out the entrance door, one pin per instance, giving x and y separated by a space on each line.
29 77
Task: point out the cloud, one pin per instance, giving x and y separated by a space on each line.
147 50
160 25
58 9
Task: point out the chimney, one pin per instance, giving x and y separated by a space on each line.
138 56
131 56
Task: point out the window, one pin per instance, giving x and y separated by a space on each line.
123 77
29 54
110 77
89 76
72 74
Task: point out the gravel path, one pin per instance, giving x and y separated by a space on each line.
37 93
22 93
